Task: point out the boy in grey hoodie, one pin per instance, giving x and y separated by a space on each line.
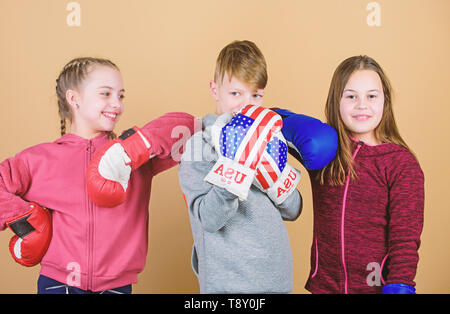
240 246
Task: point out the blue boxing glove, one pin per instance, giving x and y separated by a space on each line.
398 288
311 141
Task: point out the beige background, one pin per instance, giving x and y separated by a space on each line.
166 51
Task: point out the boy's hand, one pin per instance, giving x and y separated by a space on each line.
240 144
274 175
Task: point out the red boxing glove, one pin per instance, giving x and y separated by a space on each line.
33 231
109 170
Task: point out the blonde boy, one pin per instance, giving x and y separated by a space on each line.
239 246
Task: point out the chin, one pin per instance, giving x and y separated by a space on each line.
362 129
108 128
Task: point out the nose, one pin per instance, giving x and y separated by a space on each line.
249 100
361 103
115 104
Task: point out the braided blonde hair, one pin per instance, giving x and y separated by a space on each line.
70 77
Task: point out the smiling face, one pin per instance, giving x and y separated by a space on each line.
97 103
232 95
361 105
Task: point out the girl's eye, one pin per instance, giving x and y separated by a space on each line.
257 96
105 93
372 96
350 96
122 96
235 93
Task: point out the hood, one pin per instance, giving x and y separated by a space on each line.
76 139
367 150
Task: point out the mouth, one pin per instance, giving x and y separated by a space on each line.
361 117
110 115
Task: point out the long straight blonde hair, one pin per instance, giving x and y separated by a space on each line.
386 132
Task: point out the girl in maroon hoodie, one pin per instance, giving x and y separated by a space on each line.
369 200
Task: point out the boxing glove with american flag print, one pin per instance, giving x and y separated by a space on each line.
274 175
240 142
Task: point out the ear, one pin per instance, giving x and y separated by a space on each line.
213 89
72 98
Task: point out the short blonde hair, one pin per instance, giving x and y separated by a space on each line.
244 61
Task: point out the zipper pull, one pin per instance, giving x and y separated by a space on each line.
90 148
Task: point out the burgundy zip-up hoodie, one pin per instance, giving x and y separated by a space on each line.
367 232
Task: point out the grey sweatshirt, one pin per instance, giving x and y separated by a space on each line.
239 246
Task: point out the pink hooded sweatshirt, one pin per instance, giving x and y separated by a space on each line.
92 247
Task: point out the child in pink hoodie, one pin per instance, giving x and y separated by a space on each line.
93 248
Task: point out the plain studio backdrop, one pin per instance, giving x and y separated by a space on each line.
166 51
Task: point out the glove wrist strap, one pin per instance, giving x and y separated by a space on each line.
232 176
137 146
285 185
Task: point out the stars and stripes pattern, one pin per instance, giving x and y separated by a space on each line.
273 162
242 139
